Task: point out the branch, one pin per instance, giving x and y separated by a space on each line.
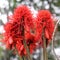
53 40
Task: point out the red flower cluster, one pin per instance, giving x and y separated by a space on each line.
44 25
19 28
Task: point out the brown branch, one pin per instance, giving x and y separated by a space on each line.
53 41
45 57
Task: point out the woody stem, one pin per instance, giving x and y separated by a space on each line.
24 41
45 57
20 58
28 53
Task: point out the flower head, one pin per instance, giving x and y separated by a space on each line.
19 28
44 24
22 15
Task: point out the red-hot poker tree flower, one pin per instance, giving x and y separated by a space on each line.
31 41
44 25
18 29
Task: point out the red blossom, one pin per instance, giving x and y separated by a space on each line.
23 13
19 28
44 24
31 41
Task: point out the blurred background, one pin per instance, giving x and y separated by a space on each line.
7 8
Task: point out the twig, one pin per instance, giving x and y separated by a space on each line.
27 50
20 58
53 40
45 57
